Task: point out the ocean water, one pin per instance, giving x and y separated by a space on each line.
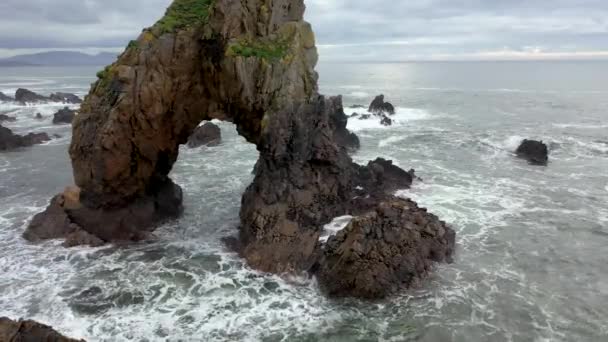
531 262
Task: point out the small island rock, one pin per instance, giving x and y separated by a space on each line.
208 134
536 152
64 116
378 106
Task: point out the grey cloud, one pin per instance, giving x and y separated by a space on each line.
346 29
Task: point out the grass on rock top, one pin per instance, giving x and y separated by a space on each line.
185 13
271 51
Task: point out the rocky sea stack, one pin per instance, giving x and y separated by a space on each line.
535 152
208 134
252 63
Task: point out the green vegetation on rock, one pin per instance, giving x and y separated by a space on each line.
271 51
104 76
134 44
185 13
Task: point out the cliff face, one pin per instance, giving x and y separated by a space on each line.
250 62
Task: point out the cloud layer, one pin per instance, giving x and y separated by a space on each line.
385 30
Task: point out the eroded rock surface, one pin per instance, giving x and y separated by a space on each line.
24 96
385 250
29 331
252 63
536 152
64 116
208 134
379 107
9 140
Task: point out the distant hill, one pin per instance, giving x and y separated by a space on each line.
59 58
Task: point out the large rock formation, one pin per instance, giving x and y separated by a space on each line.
24 96
386 249
250 62
208 134
29 331
536 152
9 140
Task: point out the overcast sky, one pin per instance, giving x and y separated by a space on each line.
381 30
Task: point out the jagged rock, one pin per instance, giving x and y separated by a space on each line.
339 121
4 117
5 98
65 98
29 331
24 96
9 140
208 134
536 152
38 116
251 63
64 116
390 248
386 121
378 106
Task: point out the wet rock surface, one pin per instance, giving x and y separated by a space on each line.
379 107
385 250
24 96
29 331
254 66
9 140
535 152
4 117
208 134
5 98
64 116
65 98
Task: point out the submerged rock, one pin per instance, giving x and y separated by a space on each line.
208 134
28 330
65 98
24 96
536 152
386 121
64 116
383 251
5 98
251 67
9 140
4 117
38 116
378 106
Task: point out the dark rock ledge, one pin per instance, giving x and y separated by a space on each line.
29 331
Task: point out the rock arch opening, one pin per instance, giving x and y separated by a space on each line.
252 63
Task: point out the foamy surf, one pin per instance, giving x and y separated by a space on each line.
402 117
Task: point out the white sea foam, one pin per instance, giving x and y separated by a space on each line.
403 116
336 225
581 125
